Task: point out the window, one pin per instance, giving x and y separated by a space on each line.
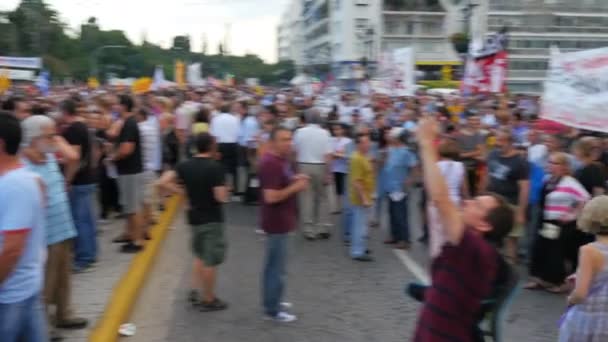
361 23
390 27
361 2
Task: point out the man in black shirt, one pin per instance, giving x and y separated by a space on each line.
81 182
203 178
129 165
508 176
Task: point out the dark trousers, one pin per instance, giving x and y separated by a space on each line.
108 195
472 179
398 215
230 160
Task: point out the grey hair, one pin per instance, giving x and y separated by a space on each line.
313 116
32 128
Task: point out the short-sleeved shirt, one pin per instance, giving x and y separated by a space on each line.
276 173
59 223
505 173
469 143
591 176
361 170
133 163
463 276
200 176
77 134
312 143
339 144
22 210
399 163
149 131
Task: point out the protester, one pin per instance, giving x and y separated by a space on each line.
149 131
39 144
586 318
454 174
361 187
339 164
399 173
203 180
225 128
22 238
562 199
508 176
465 272
279 185
313 153
129 165
80 177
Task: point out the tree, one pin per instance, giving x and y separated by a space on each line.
181 43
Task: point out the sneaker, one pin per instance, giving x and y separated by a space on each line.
131 248
364 258
282 317
215 305
260 231
324 236
121 239
73 323
285 305
193 297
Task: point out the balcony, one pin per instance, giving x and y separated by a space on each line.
552 29
527 73
412 5
540 5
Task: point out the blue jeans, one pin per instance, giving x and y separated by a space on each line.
398 214
23 321
85 243
358 239
347 218
273 279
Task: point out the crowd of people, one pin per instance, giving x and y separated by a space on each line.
500 188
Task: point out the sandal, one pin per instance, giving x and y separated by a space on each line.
561 289
534 285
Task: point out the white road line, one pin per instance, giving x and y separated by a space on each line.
412 266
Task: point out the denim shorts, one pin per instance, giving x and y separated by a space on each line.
23 321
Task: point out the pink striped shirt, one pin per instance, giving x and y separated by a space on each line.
561 203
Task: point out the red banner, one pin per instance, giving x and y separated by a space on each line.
486 74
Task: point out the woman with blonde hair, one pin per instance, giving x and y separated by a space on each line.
587 315
562 199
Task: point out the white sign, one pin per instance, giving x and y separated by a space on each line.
404 72
576 89
193 75
21 62
19 75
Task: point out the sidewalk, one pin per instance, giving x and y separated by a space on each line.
92 290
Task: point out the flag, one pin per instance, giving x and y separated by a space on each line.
486 66
5 82
180 70
43 83
159 78
193 75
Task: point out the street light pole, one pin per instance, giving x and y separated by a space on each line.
95 57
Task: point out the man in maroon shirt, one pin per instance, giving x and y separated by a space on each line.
279 187
466 271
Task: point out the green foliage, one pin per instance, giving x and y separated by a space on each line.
34 29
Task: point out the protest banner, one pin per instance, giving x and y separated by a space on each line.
576 89
404 72
21 62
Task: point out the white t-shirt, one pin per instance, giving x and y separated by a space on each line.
538 154
312 143
151 144
453 173
225 128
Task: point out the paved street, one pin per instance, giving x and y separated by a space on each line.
335 298
91 290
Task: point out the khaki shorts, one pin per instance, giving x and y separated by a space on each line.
518 228
149 179
131 193
208 243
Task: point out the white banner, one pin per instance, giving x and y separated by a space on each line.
21 62
404 72
576 89
193 75
19 75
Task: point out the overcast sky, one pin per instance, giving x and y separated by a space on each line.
253 22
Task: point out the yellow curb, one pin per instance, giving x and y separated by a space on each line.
125 293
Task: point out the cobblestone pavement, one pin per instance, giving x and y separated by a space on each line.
91 290
335 298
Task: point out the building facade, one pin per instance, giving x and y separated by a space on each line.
536 25
339 35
